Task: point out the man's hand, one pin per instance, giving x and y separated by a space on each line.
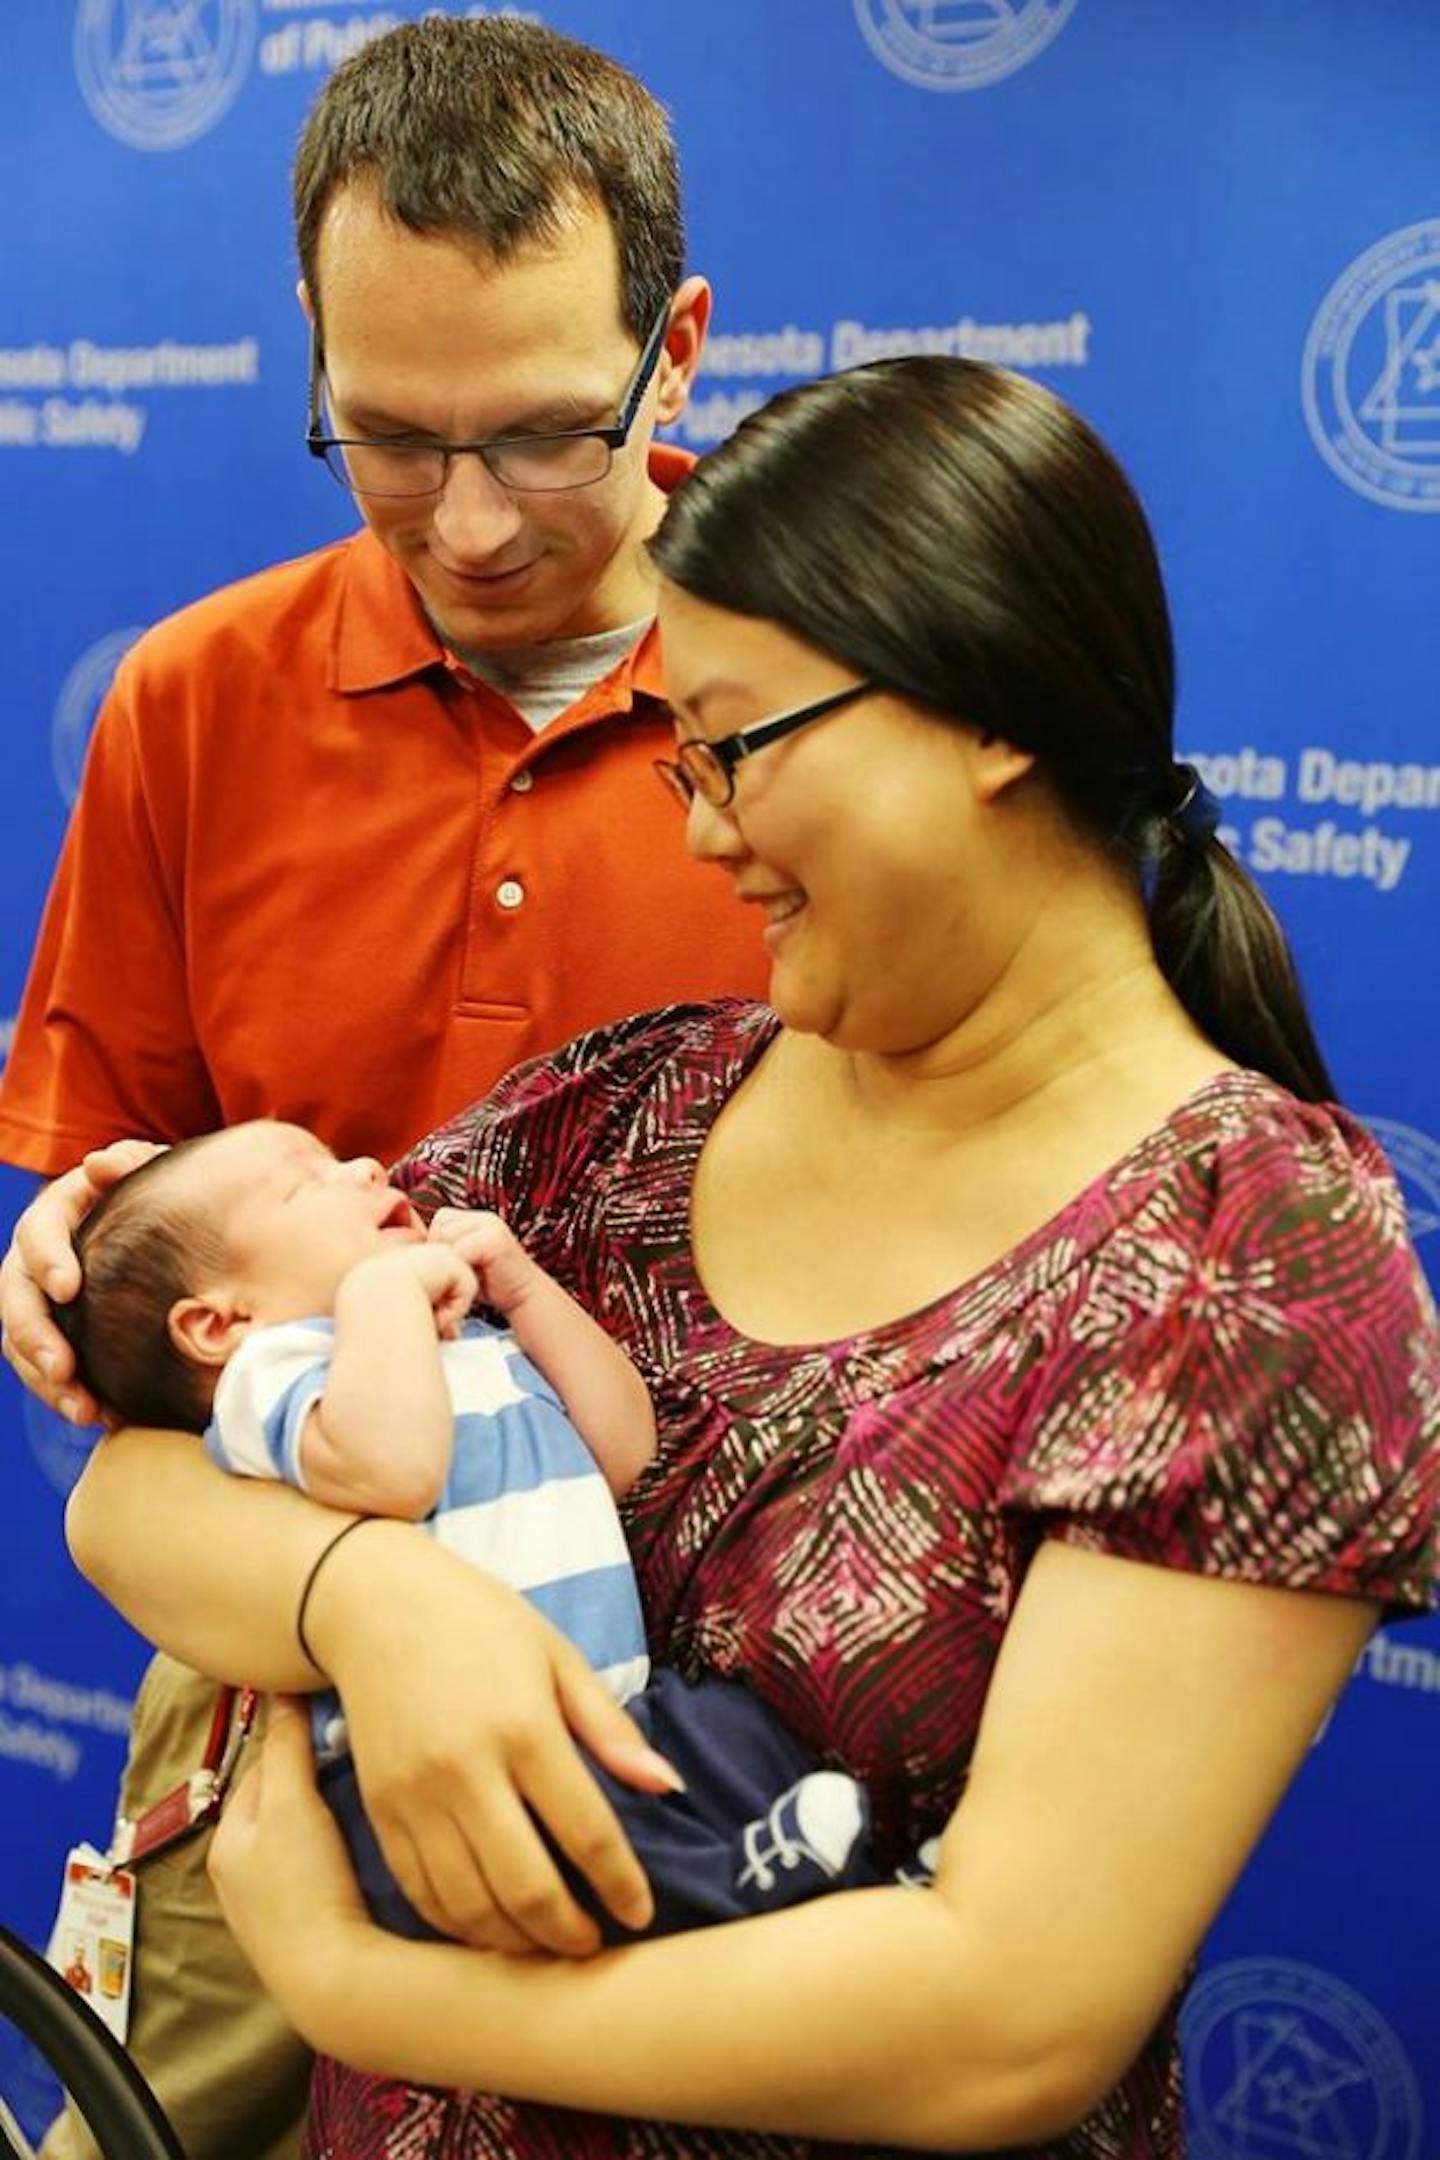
41 1263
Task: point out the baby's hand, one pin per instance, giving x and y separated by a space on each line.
444 1275
506 1271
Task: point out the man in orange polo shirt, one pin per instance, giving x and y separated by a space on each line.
360 832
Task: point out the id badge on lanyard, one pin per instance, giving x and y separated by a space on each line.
93 1939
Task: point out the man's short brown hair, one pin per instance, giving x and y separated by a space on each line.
493 131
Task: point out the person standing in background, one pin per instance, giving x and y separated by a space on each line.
362 832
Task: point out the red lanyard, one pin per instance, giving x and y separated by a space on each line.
197 1802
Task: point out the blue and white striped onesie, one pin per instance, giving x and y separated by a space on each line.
524 1498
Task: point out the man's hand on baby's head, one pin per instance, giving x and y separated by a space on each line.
506 1271
41 1264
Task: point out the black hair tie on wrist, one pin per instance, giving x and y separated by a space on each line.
1195 818
313 1577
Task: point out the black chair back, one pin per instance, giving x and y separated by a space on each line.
119 2109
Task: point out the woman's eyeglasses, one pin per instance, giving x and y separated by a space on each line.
707 769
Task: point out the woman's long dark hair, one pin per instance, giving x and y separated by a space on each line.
962 536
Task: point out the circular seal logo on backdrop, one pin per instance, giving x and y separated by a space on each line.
1286 2061
1370 378
61 1450
157 73
78 704
1415 1159
959 44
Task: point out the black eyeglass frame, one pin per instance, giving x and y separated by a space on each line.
614 437
686 780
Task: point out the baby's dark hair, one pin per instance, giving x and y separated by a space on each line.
139 1251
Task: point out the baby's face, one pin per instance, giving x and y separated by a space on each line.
293 1217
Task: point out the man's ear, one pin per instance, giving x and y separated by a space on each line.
689 321
207 1330
307 305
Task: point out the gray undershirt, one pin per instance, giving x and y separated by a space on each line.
543 681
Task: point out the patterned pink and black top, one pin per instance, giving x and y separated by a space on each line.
1221 1356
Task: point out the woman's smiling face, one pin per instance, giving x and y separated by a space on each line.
861 838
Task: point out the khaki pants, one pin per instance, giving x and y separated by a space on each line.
228 2071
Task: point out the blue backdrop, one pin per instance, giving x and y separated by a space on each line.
1216 229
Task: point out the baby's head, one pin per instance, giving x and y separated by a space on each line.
235 1230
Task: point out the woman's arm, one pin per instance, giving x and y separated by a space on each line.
463 1705
144 1525
1141 1726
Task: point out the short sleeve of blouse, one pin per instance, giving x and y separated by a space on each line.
1248 1381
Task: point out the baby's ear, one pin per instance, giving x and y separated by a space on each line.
207 1330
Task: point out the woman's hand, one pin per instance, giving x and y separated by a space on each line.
281 1871
41 1262
464 1708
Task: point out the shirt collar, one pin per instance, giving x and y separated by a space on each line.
383 636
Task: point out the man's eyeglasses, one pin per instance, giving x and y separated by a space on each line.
528 464
707 769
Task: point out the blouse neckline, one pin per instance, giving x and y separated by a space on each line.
967 1311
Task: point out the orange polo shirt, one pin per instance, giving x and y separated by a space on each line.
319 871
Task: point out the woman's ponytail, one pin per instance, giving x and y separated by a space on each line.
1224 955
